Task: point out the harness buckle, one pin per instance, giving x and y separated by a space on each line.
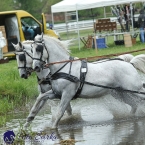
75 79
83 70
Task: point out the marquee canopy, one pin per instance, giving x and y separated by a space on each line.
73 5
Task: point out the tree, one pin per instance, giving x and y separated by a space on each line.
34 7
6 5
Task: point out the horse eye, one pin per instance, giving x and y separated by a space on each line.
22 57
39 48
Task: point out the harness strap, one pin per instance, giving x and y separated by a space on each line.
71 58
113 88
43 81
83 72
66 76
61 75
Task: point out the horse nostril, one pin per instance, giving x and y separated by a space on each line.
24 76
37 69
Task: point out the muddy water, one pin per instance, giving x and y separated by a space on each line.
92 123
104 121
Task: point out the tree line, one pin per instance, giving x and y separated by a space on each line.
36 7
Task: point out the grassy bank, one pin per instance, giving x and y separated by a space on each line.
16 92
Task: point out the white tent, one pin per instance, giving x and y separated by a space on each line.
75 5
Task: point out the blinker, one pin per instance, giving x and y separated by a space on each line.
39 48
22 57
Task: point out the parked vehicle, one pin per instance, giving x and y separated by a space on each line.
18 26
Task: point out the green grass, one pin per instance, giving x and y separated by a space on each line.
15 92
12 85
112 49
88 52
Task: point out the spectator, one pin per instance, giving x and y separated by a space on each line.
127 16
50 26
141 22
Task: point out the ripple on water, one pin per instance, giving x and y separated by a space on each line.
103 120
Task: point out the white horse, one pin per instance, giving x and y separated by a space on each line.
24 62
85 80
137 61
126 57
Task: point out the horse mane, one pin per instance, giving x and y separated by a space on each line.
17 48
126 57
139 62
28 42
64 44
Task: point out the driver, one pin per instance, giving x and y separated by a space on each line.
31 32
28 29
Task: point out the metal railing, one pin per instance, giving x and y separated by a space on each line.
86 24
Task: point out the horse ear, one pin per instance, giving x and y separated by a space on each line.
20 44
14 45
23 47
42 35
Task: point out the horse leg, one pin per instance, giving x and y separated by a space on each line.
139 95
127 98
133 110
40 101
65 100
138 98
34 112
69 109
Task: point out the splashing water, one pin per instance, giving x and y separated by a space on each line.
86 112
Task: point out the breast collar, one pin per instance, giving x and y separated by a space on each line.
61 75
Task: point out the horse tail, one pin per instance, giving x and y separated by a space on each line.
126 57
139 62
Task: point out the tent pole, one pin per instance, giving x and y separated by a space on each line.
66 25
93 19
104 12
78 28
131 8
52 19
92 15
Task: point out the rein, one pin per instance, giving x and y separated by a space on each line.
39 48
28 69
92 58
113 88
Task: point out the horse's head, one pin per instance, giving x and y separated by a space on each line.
24 59
40 53
48 49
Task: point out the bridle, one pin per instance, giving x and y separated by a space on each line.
40 47
22 57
